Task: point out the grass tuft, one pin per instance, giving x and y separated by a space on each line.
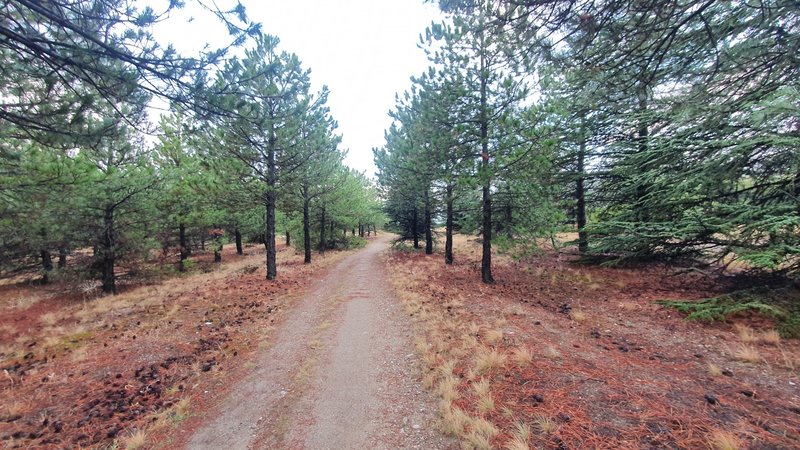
723 440
488 359
516 444
544 424
746 334
578 315
770 337
747 353
522 356
493 336
714 370
135 440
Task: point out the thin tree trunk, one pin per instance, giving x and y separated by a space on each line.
486 258
580 197
184 247
306 232
269 235
414 226
238 235
62 257
448 242
47 265
217 253
428 225
333 235
288 238
107 252
322 243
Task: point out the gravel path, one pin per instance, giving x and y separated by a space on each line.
340 373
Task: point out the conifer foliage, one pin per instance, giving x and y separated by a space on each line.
243 151
661 130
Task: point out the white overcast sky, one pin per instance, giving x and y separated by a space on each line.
365 51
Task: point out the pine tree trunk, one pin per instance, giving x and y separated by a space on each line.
217 253
238 236
322 243
448 242
414 226
269 235
428 225
333 235
306 232
184 246
580 197
486 258
62 257
47 265
107 252
288 238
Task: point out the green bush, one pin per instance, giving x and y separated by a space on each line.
781 305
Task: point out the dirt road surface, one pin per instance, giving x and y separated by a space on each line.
340 373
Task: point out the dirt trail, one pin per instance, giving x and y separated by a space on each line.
339 374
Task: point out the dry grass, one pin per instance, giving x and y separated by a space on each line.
714 370
482 434
747 353
789 361
522 431
493 336
723 440
516 444
135 440
522 356
488 359
485 402
551 352
746 334
454 420
578 315
544 424
79 354
448 388
770 337
49 319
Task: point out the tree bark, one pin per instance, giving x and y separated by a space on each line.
184 247
47 265
414 228
108 252
306 231
486 258
448 240
269 234
322 243
62 257
288 238
580 197
428 225
333 235
238 235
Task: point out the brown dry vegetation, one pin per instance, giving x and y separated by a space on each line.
582 357
79 371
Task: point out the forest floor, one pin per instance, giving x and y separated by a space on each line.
220 358
338 354
558 355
